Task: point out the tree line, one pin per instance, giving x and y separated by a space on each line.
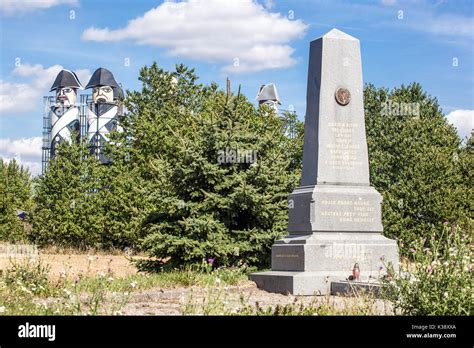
171 193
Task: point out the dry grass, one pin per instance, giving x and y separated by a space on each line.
110 283
70 263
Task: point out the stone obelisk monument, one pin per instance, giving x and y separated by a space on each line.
335 215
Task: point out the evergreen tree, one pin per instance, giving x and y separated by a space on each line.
209 201
15 195
123 202
65 199
198 173
416 162
83 203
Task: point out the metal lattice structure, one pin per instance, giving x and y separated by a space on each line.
48 101
85 99
94 123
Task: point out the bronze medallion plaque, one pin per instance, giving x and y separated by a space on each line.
343 96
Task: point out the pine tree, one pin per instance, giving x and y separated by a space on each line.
123 201
65 199
417 163
15 195
208 202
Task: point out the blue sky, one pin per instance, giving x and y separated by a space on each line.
401 42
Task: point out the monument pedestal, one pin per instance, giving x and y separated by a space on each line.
307 264
338 208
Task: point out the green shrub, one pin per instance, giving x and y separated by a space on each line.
439 280
29 276
418 164
15 194
204 207
82 203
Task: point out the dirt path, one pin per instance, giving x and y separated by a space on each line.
174 301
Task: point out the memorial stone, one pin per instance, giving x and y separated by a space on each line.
335 218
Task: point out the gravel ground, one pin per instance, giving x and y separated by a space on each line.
173 301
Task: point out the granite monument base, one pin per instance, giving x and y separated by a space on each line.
307 264
338 208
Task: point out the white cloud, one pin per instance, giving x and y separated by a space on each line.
20 97
29 147
463 120
26 151
10 7
454 25
241 34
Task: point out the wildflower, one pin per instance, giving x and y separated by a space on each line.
429 269
76 280
2 309
445 294
380 268
446 222
133 284
211 261
110 279
412 250
67 292
382 258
